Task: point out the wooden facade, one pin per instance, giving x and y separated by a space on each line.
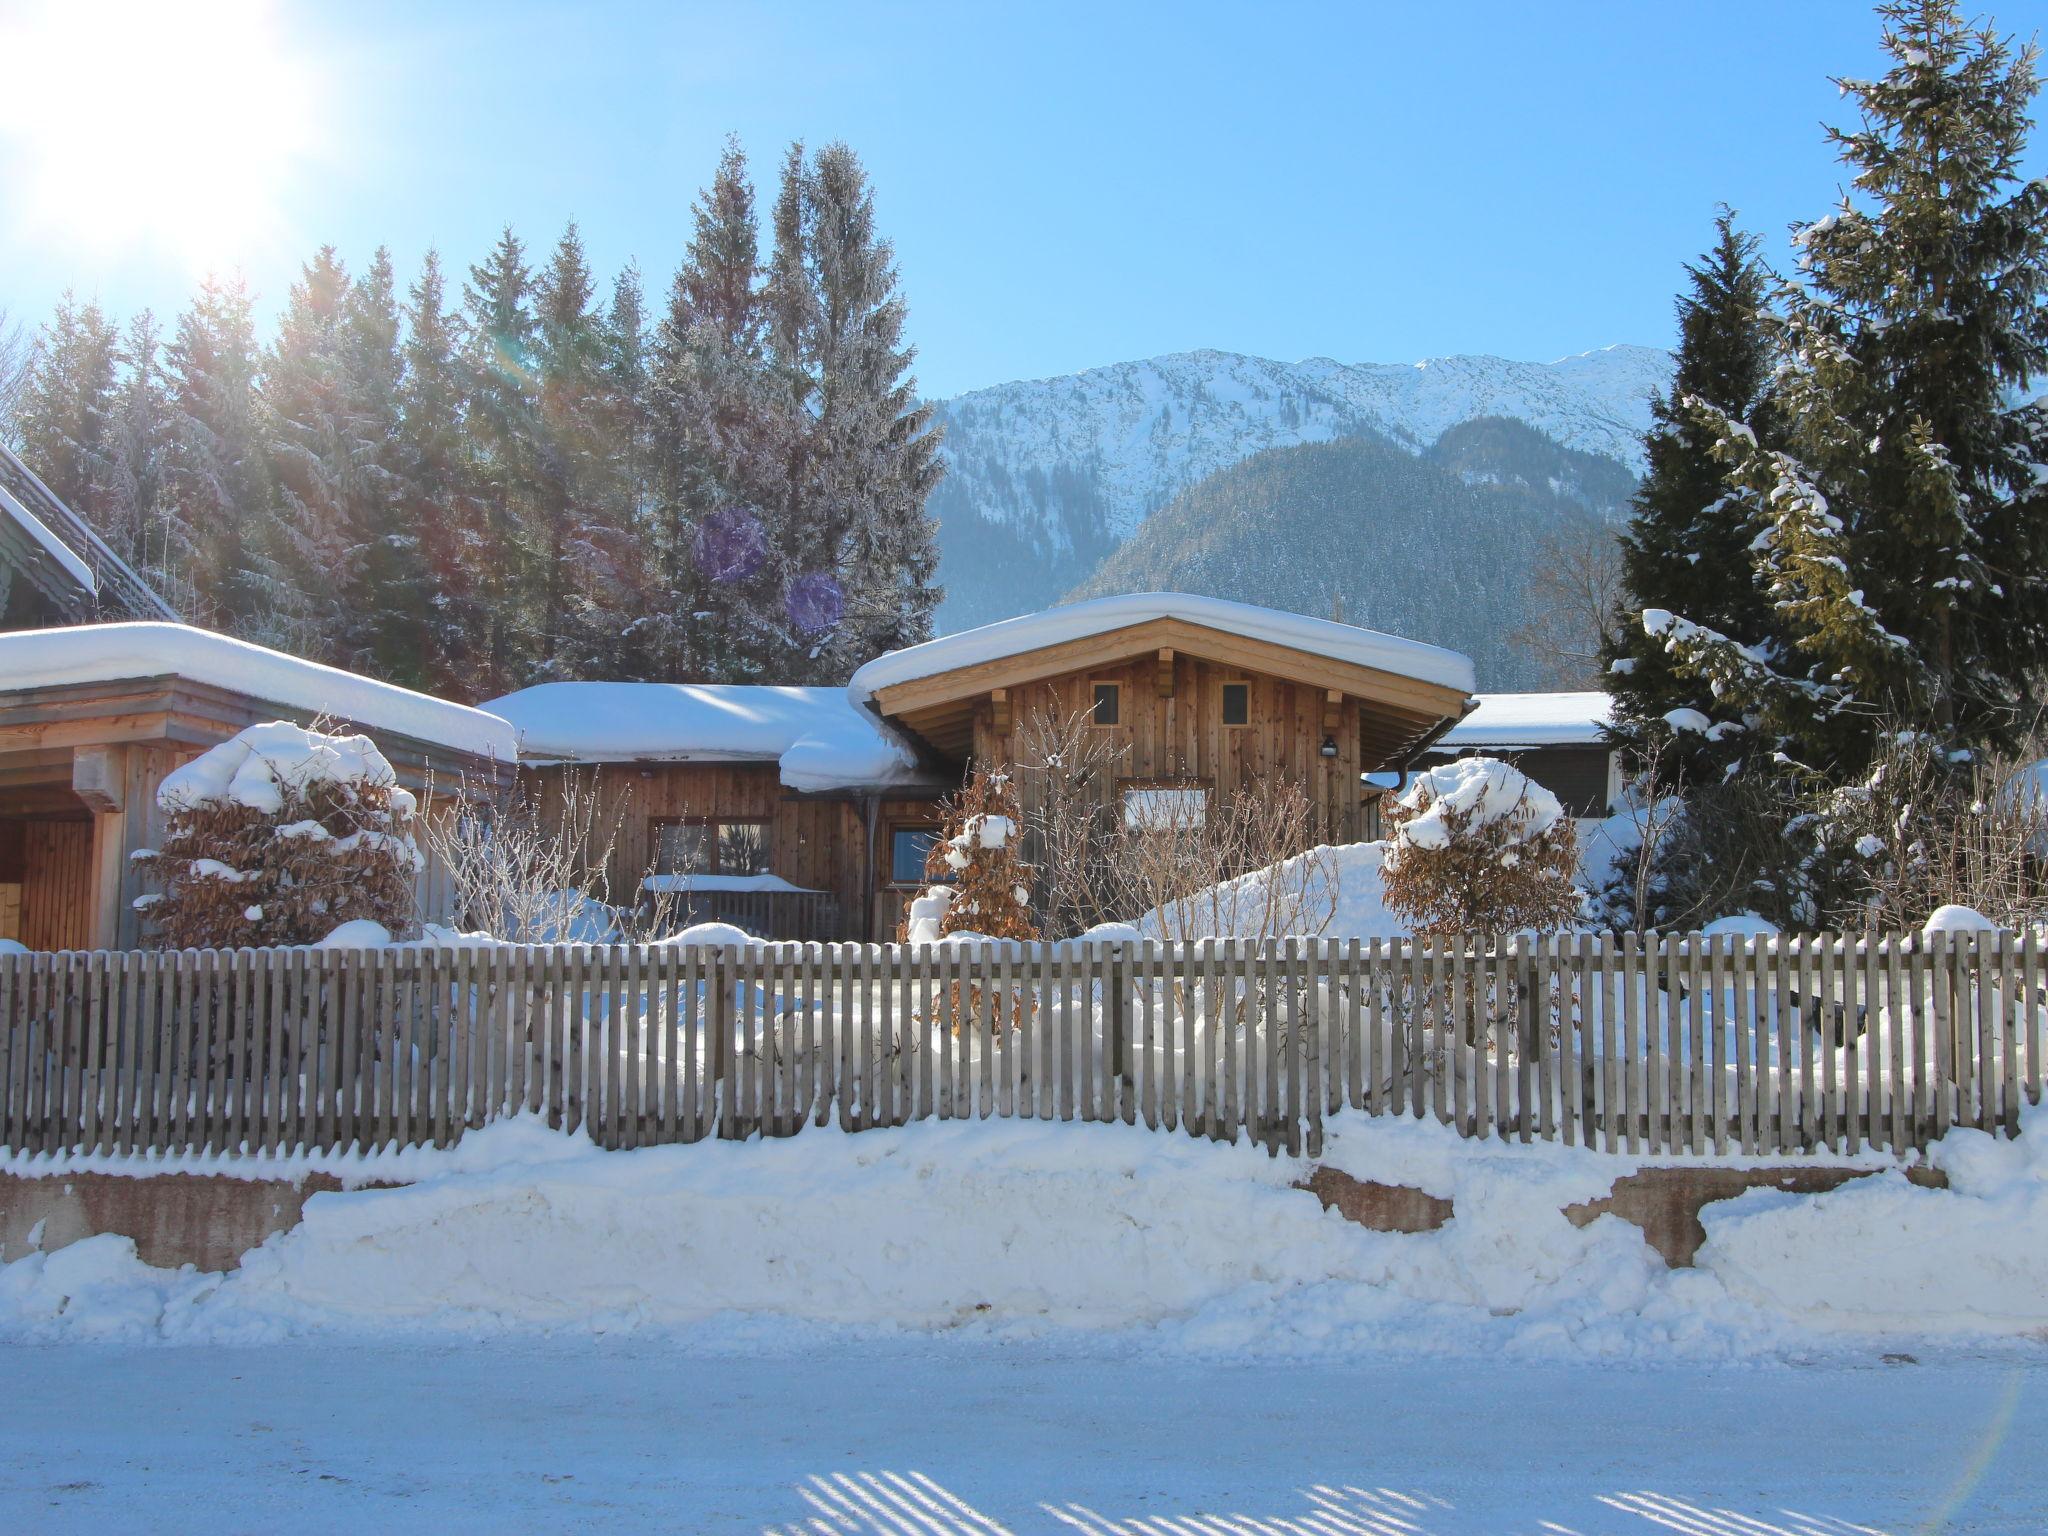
1195 708
80 764
836 844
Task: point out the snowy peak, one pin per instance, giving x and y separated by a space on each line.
1047 476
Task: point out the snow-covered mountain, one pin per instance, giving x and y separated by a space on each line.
1047 476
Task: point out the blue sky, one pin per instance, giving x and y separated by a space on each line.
1066 185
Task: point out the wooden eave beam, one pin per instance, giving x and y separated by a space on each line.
1163 683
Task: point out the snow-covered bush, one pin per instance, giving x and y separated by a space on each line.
1930 826
980 884
276 837
1477 847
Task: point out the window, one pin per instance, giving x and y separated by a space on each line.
1148 809
908 847
1237 703
707 846
1108 698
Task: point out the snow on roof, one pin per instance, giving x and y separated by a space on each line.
102 653
1532 720
40 533
1075 621
819 736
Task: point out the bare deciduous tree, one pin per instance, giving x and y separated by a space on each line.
1574 590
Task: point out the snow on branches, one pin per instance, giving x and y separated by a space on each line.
980 885
278 835
1477 847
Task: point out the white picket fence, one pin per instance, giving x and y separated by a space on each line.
1637 1043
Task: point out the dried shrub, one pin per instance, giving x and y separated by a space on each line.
1245 865
1477 848
279 836
980 884
530 861
1068 773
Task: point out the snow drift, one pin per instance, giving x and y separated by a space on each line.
1021 1228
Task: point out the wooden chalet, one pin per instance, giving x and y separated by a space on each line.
92 719
806 813
1557 739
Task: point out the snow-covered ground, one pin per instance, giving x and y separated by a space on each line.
924 1438
997 1327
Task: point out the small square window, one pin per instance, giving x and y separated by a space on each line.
1165 809
1237 703
908 849
1108 697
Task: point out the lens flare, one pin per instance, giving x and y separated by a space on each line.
151 129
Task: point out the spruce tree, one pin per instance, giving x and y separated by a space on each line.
571 460
718 425
1686 546
1898 530
385 625
878 450
214 488
501 412
437 488
67 408
140 427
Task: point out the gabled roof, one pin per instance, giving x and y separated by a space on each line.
111 653
62 557
1406 691
1013 639
819 737
1532 720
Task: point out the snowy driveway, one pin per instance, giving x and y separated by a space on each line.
918 1439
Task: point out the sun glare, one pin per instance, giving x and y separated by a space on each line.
156 129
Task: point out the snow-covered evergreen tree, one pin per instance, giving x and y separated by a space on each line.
214 483
571 459
866 550
437 487
140 425
1686 546
67 408
385 624
501 411
726 426
1900 528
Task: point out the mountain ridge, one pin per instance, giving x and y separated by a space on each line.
1046 478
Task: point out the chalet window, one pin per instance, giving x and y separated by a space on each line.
1237 703
1156 808
1108 701
908 847
703 845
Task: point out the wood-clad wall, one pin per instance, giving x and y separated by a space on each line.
1180 736
56 886
815 842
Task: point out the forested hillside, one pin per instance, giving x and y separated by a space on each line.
1438 546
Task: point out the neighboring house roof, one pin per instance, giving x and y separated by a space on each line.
61 555
821 739
1522 720
1102 616
107 653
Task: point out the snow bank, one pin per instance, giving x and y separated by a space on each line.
1340 880
98 653
1076 621
1521 720
1022 1228
819 736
